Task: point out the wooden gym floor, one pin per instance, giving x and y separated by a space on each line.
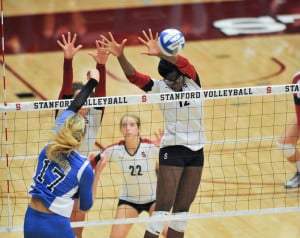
34 71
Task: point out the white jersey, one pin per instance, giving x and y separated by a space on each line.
93 123
183 119
138 170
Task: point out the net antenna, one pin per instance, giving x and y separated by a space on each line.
9 219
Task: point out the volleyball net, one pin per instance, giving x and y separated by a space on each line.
244 171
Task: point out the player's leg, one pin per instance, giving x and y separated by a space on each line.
77 216
121 230
287 143
186 193
288 140
167 182
165 230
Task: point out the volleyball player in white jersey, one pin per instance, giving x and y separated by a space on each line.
62 173
93 116
288 140
69 89
181 154
137 159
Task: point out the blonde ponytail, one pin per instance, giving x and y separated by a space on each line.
66 139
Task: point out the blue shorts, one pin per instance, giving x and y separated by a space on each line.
43 225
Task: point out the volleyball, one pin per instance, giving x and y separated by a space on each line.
171 41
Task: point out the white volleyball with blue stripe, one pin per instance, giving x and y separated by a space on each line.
171 41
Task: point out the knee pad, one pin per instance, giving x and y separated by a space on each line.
288 149
156 227
180 224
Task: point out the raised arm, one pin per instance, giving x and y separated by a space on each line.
79 100
100 57
182 63
143 81
67 43
117 49
150 40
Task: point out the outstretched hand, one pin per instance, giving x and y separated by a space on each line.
151 43
158 136
112 45
68 45
102 54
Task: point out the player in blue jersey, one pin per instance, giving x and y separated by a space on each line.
181 155
289 139
62 174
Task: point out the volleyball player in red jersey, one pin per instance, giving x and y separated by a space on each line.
181 155
288 140
93 116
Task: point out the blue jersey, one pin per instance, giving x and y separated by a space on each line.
57 187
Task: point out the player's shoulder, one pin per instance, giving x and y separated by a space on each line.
120 144
94 112
80 163
77 159
147 141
